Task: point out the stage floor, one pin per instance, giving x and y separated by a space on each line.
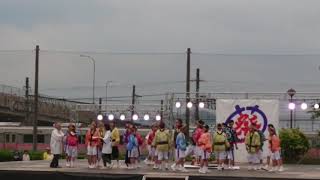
291 171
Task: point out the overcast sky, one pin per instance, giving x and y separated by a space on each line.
228 27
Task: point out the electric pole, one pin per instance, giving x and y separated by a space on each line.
100 102
161 110
188 90
197 117
133 100
27 118
36 94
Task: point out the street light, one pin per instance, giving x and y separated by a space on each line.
178 104
291 92
189 105
316 106
292 106
100 117
135 117
94 75
146 117
158 117
111 117
201 105
304 106
122 117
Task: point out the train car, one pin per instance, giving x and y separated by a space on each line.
21 137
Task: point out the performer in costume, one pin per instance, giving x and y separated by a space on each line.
252 142
180 151
220 144
274 146
205 145
162 141
232 139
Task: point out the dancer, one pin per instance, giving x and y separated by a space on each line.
72 142
56 145
274 146
252 142
65 147
115 136
220 144
269 153
177 130
132 148
126 135
196 136
260 152
107 147
151 149
232 139
101 131
205 144
162 141
140 143
181 147
92 138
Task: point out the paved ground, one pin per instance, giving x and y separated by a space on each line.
291 171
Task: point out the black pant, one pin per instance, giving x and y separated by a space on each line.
55 161
106 159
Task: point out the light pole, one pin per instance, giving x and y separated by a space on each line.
291 92
94 75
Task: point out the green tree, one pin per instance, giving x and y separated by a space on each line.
294 144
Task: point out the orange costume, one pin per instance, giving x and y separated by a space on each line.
92 138
205 142
274 143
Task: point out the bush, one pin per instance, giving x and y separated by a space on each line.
6 155
294 144
35 155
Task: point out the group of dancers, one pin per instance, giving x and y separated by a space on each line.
103 141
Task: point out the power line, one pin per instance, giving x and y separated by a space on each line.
115 52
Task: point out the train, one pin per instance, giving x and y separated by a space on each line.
20 138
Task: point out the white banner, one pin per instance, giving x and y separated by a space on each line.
243 113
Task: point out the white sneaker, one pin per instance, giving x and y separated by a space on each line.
68 164
202 171
219 168
206 169
266 167
155 166
173 167
271 169
184 170
250 168
255 168
166 166
281 169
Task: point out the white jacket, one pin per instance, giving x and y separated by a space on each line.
56 141
107 143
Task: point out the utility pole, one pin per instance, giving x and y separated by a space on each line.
27 118
161 110
196 114
36 94
188 91
133 100
100 102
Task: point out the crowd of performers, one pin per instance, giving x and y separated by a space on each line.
103 140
